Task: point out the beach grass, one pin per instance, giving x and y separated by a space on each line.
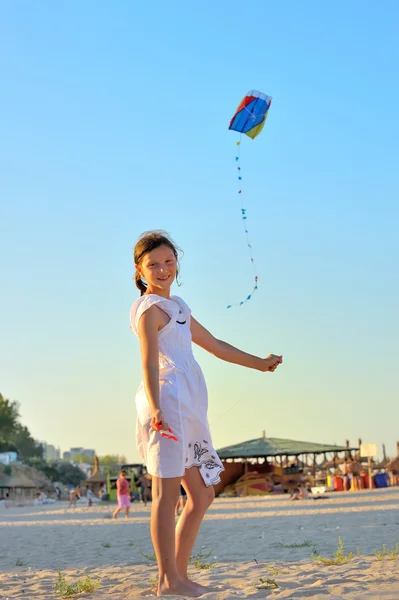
199 560
273 569
339 557
305 544
150 557
69 590
267 584
386 552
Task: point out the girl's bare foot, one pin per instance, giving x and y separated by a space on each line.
179 588
201 589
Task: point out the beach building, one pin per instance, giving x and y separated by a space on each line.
73 452
265 465
50 452
17 486
6 458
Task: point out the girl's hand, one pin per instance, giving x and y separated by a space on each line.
271 363
157 421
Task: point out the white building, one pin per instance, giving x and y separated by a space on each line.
50 452
7 458
70 454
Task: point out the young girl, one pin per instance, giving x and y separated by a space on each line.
173 436
122 494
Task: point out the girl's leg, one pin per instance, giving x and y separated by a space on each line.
116 512
127 512
165 493
199 498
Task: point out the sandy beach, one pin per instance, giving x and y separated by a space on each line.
243 540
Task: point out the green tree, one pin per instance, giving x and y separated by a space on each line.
14 436
67 473
82 458
9 416
111 463
63 472
27 447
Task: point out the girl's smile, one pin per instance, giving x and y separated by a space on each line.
158 269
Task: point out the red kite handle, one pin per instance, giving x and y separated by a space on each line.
166 434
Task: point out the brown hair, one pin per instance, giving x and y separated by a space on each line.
147 242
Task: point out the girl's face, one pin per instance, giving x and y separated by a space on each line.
158 268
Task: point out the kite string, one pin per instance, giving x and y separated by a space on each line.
244 220
219 416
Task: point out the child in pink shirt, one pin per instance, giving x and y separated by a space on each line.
122 494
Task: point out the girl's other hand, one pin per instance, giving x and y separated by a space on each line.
157 421
271 363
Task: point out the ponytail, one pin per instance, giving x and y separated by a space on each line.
140 283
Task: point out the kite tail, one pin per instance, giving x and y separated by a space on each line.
244 221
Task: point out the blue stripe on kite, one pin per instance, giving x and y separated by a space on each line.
250 116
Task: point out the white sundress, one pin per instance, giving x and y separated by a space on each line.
183 399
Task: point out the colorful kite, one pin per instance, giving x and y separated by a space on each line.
249 118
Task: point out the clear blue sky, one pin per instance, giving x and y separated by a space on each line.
114 120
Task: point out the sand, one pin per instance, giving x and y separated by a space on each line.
247 538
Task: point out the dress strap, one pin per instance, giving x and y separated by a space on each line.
145 302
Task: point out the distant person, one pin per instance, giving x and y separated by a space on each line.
41 498
173 434
182 501
58 493
123 495
89 496
73 497
145 488
299 493
102 494
134 492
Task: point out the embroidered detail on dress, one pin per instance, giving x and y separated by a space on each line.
210 464
198 451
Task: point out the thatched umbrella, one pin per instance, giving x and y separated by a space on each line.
40 479
97 478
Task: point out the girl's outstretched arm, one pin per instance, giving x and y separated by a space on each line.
203 338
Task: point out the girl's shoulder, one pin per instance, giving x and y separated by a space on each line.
145 302
181 303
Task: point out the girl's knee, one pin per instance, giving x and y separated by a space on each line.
204 499
165 491
210 495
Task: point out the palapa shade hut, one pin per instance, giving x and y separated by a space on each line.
277 451
97 478
392 468
42 482
19 487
